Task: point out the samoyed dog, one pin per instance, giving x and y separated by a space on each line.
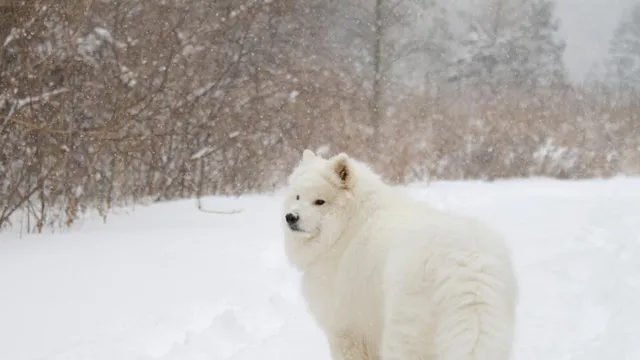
387 277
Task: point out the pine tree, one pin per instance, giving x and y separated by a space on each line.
623 63
538 51
387 45
512 47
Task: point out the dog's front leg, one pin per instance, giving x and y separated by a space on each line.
344 345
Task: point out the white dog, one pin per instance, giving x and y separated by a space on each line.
386 277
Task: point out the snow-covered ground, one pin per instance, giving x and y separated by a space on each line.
170 282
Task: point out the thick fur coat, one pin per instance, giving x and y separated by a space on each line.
387 277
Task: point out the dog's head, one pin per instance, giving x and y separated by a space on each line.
316 206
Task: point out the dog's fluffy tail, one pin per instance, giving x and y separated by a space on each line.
476 313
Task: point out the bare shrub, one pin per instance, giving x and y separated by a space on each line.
107 103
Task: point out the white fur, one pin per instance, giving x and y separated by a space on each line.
387 277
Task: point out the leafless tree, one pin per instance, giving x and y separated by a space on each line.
105 103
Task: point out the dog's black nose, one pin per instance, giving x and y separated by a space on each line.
291 218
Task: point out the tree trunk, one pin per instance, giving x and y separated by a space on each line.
376 106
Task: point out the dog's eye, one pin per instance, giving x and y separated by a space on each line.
319 202
297 197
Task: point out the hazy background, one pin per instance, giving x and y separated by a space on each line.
588 25
112 102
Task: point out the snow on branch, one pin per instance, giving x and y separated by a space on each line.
20 103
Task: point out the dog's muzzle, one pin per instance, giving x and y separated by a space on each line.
292 220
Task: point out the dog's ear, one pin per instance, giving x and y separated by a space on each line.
308 155
342 169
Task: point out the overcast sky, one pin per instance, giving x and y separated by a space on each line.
587 26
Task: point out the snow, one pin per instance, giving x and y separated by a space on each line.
13 34
20 103
202 152
167 281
